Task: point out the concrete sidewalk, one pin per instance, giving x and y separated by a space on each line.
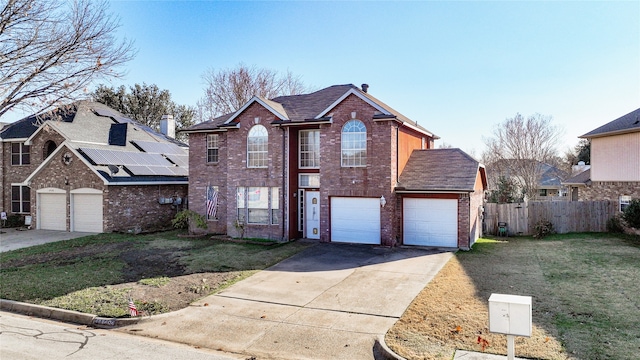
329 301
13 239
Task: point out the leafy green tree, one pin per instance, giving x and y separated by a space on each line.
506 192
631 214
146 104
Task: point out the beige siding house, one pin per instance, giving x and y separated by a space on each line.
615 162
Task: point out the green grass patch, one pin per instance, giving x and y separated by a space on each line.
157 281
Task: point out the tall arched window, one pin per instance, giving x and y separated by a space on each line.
49 147
354 144
257 147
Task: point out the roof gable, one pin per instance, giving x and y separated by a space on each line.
624 124
440 170
273 107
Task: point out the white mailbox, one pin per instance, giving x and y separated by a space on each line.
510 314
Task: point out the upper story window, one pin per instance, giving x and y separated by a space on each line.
49 148
212 148
354 144
257 147
20 154
309 147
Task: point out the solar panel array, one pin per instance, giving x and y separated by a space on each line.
159 148
138 163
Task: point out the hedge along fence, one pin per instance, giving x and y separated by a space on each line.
566 216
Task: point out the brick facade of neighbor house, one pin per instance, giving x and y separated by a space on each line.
61 162
391 139
135 208
610 190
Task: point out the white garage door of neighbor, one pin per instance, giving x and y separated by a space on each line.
355 220
87 212
53 211
430 222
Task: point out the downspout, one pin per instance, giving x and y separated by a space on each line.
284 183
397 154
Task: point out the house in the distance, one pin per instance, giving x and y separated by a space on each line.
615 162
85 167
336 165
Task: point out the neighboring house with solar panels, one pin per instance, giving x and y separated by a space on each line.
335 165
86 167
615 163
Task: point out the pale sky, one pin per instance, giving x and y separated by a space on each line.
458 68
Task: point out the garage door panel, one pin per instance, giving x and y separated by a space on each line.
355 220
87 212
430 222
53 211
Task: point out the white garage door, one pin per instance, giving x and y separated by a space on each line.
87 212
430 222
355 220
53 211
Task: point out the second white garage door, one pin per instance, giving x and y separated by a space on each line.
355 220
430 222
86 207
53 210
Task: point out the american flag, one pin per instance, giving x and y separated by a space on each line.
133 311
212 202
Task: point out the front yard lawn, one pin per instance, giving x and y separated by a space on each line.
161 272
586 299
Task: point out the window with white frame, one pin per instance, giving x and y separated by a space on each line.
257 147
20 154
212 148
20 199
309 148
258 205
354 144
625 200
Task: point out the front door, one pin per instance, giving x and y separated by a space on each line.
312 214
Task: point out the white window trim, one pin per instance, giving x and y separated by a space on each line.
21 152
623 201
211 147
22 210
265 152
300 165
273 191
342 159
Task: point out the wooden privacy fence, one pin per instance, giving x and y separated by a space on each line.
566 216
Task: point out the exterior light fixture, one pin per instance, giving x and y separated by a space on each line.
383 201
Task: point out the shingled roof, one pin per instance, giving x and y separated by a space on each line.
306 108
440 170
624 124
579 179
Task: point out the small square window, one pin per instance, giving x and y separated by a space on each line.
625 200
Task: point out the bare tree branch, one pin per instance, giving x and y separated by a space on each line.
228 89
518 149
50 53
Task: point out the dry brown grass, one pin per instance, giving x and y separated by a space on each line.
567 278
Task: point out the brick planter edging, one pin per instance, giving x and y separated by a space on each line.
70 316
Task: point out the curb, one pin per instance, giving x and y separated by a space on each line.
69 316
382 352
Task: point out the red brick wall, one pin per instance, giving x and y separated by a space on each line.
135 208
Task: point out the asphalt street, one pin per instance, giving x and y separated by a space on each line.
26 338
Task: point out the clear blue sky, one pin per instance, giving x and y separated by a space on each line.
458 68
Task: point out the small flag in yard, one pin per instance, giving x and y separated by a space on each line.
212 202
133 311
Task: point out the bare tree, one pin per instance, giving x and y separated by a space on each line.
227 90
50 52
519 147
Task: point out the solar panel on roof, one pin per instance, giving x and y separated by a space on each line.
159 148
180 160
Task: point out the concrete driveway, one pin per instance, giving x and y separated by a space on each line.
12 238
328 302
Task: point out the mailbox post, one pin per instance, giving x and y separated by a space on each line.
510 315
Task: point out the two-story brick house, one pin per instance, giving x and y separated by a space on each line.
336 165
615 162
85 167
